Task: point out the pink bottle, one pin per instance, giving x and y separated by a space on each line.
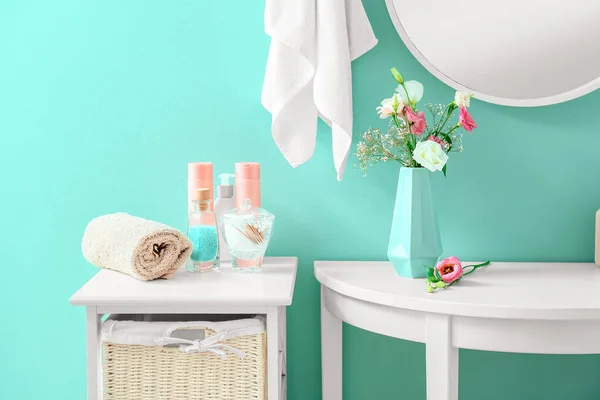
247 183
200 176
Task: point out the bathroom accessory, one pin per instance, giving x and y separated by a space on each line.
419 149
247 231
200 176
543 308
191 358
224 202
308 73
204 235
247 183
414 234
514 55
267 294
139 247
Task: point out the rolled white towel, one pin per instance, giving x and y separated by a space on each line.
139 247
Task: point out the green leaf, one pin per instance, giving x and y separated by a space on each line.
429 272
447 138
444 169
437 274
451 109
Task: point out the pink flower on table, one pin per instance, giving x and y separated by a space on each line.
466 120
417 121
450 269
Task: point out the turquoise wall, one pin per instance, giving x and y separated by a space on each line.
102 104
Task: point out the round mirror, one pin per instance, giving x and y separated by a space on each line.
510 52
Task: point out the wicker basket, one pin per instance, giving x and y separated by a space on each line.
155 372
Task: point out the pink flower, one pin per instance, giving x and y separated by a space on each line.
450 269
417 121
437 140
466 120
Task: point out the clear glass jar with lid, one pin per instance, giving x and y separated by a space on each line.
247 231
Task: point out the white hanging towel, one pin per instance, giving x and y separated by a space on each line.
308 73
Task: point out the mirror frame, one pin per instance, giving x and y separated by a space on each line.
533 102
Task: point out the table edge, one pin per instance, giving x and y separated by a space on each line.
436 306
292 261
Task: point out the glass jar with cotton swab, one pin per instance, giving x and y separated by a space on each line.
247 231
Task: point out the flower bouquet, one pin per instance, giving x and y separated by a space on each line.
420 147
410 140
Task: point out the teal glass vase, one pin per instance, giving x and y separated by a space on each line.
415 237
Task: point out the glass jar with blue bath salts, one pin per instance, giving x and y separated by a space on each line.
202 232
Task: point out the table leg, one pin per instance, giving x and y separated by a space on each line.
441 359
273 376
283 351
331 353
94 379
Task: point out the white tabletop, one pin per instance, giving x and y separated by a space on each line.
273 286
550 291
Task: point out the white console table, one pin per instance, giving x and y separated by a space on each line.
549 308
224 292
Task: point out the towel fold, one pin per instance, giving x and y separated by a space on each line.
139 247
308 73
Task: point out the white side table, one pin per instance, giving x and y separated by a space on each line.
548 308
226 292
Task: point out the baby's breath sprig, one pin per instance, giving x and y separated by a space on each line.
376 147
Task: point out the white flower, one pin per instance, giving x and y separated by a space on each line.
430 155
414 89
387 107
462 99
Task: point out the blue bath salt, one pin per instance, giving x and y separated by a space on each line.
205 241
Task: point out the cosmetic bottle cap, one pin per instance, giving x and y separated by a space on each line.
200 171
247 171
202 194
225 188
